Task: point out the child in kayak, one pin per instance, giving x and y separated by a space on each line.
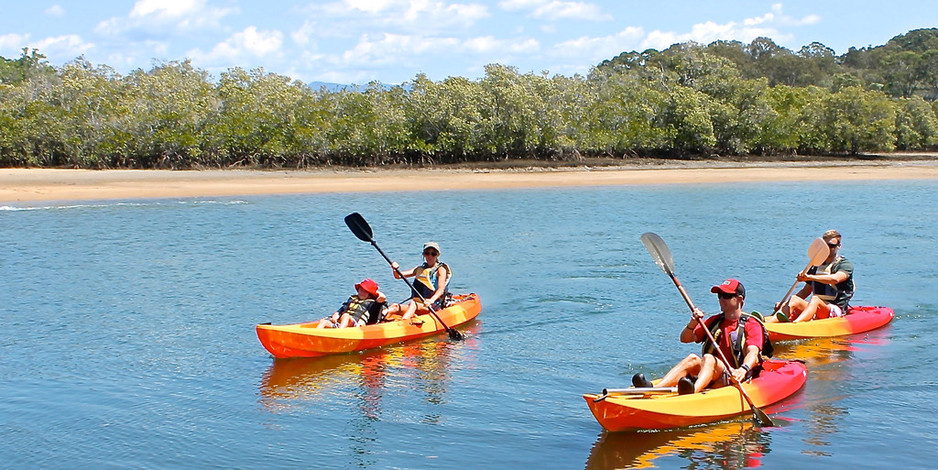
740 336
431 280
362 308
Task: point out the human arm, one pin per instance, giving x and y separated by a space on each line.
689 333
754 339
843 271
831 279
396 268
804 292
749 362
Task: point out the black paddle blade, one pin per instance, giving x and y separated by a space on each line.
455 335
762 419
359 226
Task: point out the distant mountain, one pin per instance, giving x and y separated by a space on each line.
328 86
333 87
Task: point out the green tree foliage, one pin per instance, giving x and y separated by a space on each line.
916 124
690 99
168 109
852 120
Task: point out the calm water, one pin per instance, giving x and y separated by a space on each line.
128 337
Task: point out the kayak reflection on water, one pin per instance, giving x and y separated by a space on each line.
833 362
729 445
301 383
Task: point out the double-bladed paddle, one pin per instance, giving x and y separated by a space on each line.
659 251
359 226
817 253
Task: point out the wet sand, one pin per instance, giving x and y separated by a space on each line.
32 185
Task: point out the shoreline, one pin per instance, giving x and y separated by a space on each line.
47 185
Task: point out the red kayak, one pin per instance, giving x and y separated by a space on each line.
857 320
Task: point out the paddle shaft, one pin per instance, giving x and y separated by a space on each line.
787 294
633 391
638 390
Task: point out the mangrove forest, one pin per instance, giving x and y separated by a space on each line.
723 98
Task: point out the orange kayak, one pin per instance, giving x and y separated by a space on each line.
305 340
857 320
624 412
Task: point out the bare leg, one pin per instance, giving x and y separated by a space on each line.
689 365
816 307
797 308
709 369
411 310
345 320
786 309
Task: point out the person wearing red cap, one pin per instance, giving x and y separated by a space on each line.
362 308
740 337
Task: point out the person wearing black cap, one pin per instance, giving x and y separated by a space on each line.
738 335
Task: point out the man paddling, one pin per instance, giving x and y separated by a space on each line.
739 336
829 285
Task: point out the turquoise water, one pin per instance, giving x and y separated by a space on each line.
129 340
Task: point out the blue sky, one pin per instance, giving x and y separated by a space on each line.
356 41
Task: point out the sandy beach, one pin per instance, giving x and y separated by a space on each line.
32 185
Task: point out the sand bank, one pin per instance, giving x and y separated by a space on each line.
30 185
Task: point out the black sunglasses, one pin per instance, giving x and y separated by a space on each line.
833 245
431 253
724 295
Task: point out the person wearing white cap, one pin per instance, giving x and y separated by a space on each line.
431 280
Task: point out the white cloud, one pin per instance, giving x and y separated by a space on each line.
590 49
557 10
369 6
389 48
162 17
398 16
395 49
304 34
571 10
65 47
248 43
55 10
13 42
167 9
745 31
489 44
768 17
512 5
135 57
